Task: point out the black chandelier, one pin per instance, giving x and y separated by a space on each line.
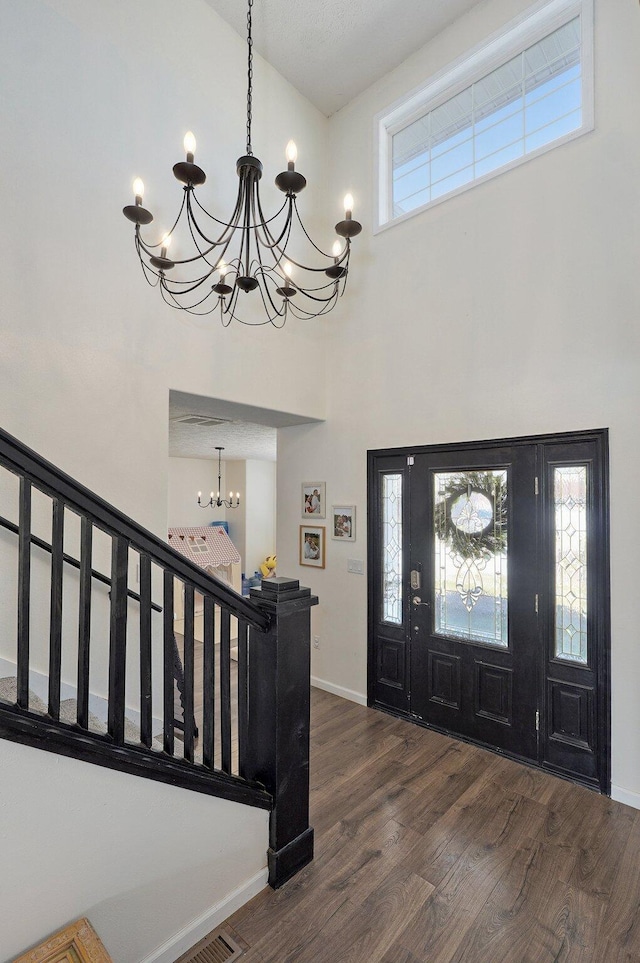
218 502
249 253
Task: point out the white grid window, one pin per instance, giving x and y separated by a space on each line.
472 122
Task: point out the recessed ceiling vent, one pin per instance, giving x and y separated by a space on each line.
206 421
219 948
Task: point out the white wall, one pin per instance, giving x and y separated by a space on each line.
188 476
252 526
141 859
260 513
95 92
509 310
236 475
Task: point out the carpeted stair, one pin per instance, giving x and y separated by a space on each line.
68 712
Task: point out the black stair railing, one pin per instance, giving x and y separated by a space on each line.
109 599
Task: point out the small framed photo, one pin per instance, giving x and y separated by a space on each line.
343 522
313 499
312 545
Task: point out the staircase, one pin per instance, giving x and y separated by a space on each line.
92 665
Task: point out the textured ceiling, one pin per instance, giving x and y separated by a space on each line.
332 50
245 432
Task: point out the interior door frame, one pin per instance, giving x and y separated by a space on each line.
398 458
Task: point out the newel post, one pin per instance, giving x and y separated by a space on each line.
278 701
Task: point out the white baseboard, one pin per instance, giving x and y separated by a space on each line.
197 929
627 796
339 690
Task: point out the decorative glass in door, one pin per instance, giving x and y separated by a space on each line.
470 564
570 504
392 548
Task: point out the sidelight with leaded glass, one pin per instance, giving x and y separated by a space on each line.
570 518
391 568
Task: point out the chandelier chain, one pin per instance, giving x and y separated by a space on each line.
249 77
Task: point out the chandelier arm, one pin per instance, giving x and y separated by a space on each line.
233 300
177 291
176 296
304 315
178 286
231 309
297 310
265 292
193 223
263 223
312 296
169 298
273 249
275 246
267 271
149 248
231 225
204 255
146 270
309 238
299 264
253 324
267 220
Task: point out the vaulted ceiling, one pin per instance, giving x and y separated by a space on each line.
332 50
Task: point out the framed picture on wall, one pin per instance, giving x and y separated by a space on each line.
312 545
313 499
343 522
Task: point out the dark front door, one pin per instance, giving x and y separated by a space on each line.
474 630
488 592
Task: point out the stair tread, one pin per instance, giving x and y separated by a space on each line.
69 712
9 693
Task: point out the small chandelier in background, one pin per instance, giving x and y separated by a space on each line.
218 502
249 253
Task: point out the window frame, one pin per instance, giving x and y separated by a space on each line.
517 35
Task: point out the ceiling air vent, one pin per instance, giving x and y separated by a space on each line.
219 947
205 420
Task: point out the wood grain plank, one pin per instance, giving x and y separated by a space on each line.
532 914
374 925
432 851
602 847
621 925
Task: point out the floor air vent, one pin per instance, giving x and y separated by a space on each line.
219 947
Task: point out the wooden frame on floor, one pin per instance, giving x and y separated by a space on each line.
76 942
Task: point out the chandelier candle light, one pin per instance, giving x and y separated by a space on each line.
250 252
218 502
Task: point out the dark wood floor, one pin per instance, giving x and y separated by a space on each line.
432 851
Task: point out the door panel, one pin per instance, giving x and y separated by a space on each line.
474 630
388 624
489 595
574 607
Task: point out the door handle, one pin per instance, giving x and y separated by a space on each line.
418 601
